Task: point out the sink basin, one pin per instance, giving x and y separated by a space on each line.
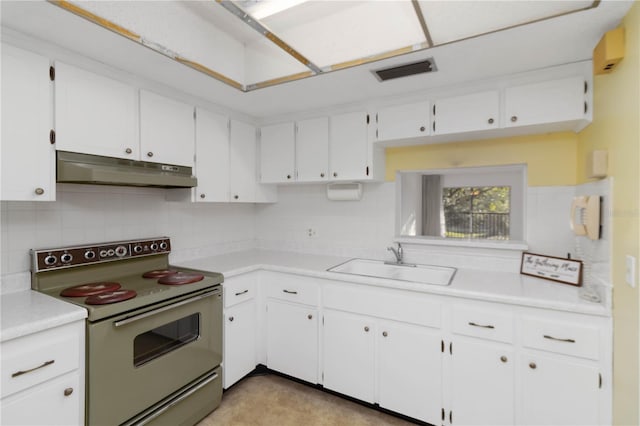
422 274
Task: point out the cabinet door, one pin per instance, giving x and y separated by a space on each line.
292 340
482 383
546 102
212 156
242 162
410 370
558 391
239 342
95 114
28 158
312 149
55 402
277 153
348 146
403 121
166 130
349 354
467 113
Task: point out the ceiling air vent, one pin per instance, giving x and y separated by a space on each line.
406 70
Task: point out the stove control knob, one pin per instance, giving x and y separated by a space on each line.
89 254
154 246
111 252
50 260
137 249
163 245
103 253
121 251
66 258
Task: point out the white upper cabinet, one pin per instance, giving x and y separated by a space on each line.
547 102
403 121
95 114
166 130
277 153
466 113
312 149
348 146
28 157
212 156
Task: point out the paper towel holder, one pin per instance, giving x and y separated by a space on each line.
351 191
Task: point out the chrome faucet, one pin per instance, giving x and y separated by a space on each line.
397 252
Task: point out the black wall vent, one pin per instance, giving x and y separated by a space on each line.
406 70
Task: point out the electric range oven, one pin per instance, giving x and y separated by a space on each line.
153 332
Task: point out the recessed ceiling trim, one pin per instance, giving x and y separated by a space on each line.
112 26
256 25
423 24
279 80
378 57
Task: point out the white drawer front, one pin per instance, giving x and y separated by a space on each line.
390 304
238 289
483 323
561 337
33 359
293 288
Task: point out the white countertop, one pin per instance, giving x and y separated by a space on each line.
27 312
504 287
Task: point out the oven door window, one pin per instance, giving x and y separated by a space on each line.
164 339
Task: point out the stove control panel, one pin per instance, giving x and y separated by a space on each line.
47 259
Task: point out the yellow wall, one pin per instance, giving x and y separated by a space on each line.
551 158
616 128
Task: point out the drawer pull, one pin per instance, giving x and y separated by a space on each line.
504 358
480 325
68 391
21 372
240 293
310 316
558 340
290 292
532 365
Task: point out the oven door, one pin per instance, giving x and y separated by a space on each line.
137 359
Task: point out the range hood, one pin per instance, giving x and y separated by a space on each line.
93 169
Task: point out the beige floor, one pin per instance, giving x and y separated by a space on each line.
271 400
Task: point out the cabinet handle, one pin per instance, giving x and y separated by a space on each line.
288 176
149 154
385 334
202 196
128 150
310 316
532 365
366 328
68 391
44 364
503 358
52 137
422 128
558 340
235 197
514 118
231 319
39 191
242 292
490 121
321 175
335 174
290 291
480 325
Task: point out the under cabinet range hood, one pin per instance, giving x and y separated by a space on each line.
93 169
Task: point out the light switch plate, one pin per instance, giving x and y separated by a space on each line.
630 271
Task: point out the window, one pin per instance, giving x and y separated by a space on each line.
477 212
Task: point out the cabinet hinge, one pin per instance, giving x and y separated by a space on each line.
52 73
376 133
434 109
434 126
442 348
52 137
443 414
451 348
450 416
599 380
367 118
376 117
367 170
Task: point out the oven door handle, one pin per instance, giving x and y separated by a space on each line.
164 308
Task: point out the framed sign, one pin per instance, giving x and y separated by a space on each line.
566 271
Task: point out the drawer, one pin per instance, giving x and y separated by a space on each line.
293 288
561 337
239 289
390 304
36 358
483 323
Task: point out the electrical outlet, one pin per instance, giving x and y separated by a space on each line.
311 233
630 271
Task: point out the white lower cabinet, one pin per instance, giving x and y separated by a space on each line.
292 344
239 342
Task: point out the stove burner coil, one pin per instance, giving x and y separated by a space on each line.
181 278
90 289
159 273
110 297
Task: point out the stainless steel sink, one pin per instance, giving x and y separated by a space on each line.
422 274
